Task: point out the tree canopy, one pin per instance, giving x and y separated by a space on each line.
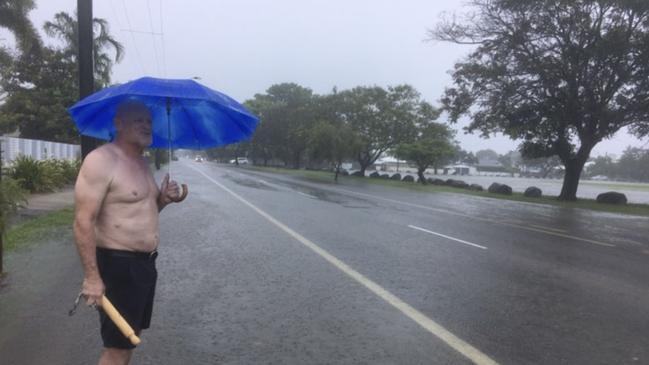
431 147
38 86
560 75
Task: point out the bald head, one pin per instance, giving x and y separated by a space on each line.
133 122
129 107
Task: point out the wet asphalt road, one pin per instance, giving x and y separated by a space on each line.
520 283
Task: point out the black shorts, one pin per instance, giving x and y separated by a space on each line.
130 280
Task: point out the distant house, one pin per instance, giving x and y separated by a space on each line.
489 163
460 170
389 163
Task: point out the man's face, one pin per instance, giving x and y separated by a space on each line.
134 126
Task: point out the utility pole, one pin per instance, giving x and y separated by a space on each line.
4 223
86 77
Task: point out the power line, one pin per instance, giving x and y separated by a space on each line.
140 31
155 47
162 40
137 51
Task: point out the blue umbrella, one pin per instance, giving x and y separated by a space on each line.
185 113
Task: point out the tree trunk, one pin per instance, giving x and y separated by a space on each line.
296 160
574 168
337 170
420 173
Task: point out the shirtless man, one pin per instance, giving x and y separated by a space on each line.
116 227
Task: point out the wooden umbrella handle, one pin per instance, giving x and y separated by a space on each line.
183 195
119 321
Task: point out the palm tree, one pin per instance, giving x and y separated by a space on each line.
14 17
66 28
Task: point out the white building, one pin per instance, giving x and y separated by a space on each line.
39 150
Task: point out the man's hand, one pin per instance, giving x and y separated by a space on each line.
169 192
93 290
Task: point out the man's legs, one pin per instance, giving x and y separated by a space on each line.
114 356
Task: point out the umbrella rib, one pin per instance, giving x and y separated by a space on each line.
192 126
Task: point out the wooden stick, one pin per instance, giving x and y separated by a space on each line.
119 321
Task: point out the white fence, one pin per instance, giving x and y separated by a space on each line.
39 150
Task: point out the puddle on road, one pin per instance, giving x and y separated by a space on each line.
249 182
314 193
344 200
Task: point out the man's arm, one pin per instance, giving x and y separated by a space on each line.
89 193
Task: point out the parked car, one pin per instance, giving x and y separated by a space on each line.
242 161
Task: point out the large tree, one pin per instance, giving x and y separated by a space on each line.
38 94
432 146
383 118
333 143
14 17
633 165
66 28
560 75
38 87
287 112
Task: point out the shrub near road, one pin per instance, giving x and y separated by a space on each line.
43 176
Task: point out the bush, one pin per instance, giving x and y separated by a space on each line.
12 197
70 170
43 176
52 171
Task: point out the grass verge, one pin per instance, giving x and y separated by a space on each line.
590 204
37 229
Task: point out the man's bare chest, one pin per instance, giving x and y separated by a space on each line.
131 183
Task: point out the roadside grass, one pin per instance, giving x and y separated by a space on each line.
37 229
615 186
590 204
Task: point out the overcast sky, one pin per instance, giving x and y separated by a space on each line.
243 47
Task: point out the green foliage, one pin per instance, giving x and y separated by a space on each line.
66 171
40 228
287 111
559 75
432 147
333 144
12 197
633 165
43 176
602 165
465 157
39 86
381 118
66 28
14 17
38 92
372 120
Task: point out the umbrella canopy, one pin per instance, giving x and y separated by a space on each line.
199 117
